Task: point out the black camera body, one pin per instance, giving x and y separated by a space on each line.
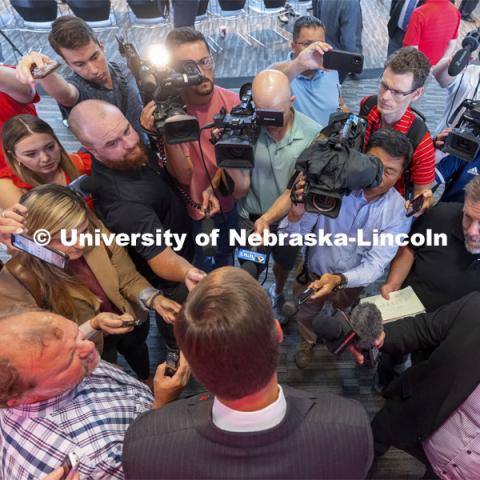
240 129
163 85
333 165
464 140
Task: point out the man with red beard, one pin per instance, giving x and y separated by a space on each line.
133 195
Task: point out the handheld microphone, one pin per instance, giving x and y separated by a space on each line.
461 59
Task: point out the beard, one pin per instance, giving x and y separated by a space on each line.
134 159
204 91
472 246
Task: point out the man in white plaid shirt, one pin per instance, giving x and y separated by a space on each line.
56 397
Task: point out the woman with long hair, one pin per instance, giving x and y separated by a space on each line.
96 279
35 156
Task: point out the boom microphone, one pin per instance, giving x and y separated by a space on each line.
461 59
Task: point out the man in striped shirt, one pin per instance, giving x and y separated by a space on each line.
402 83
56 398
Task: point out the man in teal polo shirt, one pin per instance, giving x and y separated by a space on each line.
276 152
317 91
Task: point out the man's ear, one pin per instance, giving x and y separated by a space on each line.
418 93
279 330
292 99
102 46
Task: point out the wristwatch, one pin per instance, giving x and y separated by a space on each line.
343 282
147 297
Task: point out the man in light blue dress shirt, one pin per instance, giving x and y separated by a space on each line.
348 256
316 91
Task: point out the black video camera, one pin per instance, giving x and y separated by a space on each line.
333 165
163 85
464 140
236 146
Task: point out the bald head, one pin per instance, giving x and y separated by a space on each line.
271 90
87 116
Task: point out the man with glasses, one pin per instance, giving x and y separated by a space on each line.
316 91
402 83
196 169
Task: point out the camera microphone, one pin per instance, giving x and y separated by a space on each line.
461 59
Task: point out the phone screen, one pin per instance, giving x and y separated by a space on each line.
47 254
416 205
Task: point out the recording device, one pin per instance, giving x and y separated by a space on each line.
240 129
70 466
415 205
464 140
41 72
208 225
172 361
361 330
45 253
157 81
333 166
85 185
305 295
343 61
462 58
135 322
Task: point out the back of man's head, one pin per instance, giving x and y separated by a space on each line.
472 190
182 35
393 142
71 33
227 333
410 60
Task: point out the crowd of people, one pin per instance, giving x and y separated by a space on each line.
69 308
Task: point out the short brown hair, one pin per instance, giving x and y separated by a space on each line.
410 60
70 32
227 333
472 189
182 35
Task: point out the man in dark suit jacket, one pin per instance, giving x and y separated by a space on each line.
395 31
249 427
429 401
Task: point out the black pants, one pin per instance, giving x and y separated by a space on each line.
133 347
467 7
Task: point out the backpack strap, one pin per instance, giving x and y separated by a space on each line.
367 106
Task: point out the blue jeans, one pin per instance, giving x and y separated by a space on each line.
225 252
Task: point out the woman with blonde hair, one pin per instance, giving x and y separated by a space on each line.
35 156
98 285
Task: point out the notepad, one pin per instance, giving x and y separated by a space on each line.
402 303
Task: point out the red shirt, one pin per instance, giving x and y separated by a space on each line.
81 160
204 114
431 27
423 160
8 109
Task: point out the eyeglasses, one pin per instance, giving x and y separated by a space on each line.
306 44
398 94
206 62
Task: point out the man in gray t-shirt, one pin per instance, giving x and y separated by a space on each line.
93 76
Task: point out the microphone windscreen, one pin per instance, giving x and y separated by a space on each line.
251 268
459 62
366 320
90 184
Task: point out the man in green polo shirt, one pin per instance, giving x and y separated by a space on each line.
276 152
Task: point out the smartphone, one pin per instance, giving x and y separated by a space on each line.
415 205
47 254
173 358
304 296
70 465
343 61
132 323
42 72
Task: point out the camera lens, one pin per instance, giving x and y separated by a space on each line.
323 203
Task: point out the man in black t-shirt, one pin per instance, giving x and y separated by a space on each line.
442 274
133 195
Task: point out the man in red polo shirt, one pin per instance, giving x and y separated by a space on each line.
402 83
433 29
15 98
